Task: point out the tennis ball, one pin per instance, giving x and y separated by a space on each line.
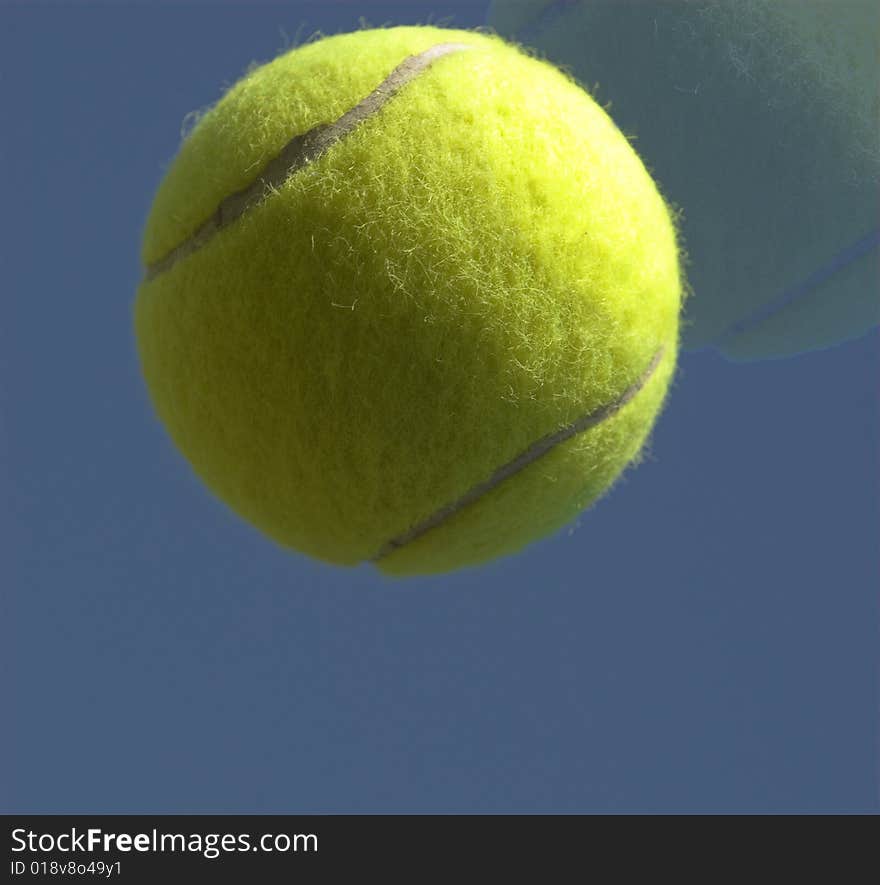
762 119
410 298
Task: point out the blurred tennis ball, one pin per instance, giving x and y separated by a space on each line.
761 120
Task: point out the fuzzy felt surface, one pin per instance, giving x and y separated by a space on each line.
482 261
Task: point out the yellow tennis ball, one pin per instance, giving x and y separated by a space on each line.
410 298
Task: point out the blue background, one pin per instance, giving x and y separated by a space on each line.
704 639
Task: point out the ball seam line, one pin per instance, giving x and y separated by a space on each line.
842 260
535 451
300 151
